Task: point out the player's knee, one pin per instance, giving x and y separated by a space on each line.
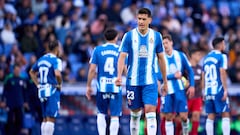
196 116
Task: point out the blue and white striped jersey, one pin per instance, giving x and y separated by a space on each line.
174 63
46 66
106 57
141 50
212 64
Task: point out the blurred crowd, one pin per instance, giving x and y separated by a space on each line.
26 26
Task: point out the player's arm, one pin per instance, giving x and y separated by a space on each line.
33 75
91 75
121 67
203 81
223 75
189 69
58 76
162 65
123 52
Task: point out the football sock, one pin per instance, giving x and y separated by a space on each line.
209 126
151 123
169 128
135 122
226 126
195 125
185 126
49 128
43 128
162 127
114 126
101 124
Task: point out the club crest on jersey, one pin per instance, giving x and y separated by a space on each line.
143 53
151 40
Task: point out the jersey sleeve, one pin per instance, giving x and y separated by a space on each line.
189 69
93 59
223 62
35 67
58 65
124 47
159 43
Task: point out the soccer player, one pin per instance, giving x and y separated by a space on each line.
48 68
104 60
195 103
215 86
176 101
141 45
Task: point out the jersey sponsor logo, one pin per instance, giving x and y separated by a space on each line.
143 53
107 80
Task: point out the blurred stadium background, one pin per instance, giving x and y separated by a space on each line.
26 26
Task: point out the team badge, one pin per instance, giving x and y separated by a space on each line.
151 40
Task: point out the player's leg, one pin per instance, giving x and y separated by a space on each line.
182 109
226 123
223 107
135 104
43 107
116 111
169 126
195 122
210 110
168 109
210 124
102 106
196 110
178 124
149 96
162 124
52 108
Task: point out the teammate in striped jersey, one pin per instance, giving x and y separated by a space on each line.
104 60
49 68
141 45
215 87
175 101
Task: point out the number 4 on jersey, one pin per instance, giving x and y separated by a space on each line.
109 65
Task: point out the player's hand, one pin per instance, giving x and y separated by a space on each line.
178 75
190 91
89 92
224 95
164 89
118 81
59 87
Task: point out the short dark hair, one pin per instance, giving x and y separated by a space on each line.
169 37
145 11
194 49
110 34
216 41
53 44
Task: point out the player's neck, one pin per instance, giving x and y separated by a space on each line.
143 31
169 53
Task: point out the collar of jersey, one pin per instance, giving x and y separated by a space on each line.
142 34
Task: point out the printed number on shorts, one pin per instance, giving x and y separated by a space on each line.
109 65
130 95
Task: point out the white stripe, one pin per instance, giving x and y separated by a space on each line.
170 85
102 84
178 63
135 44
151 41
224 61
